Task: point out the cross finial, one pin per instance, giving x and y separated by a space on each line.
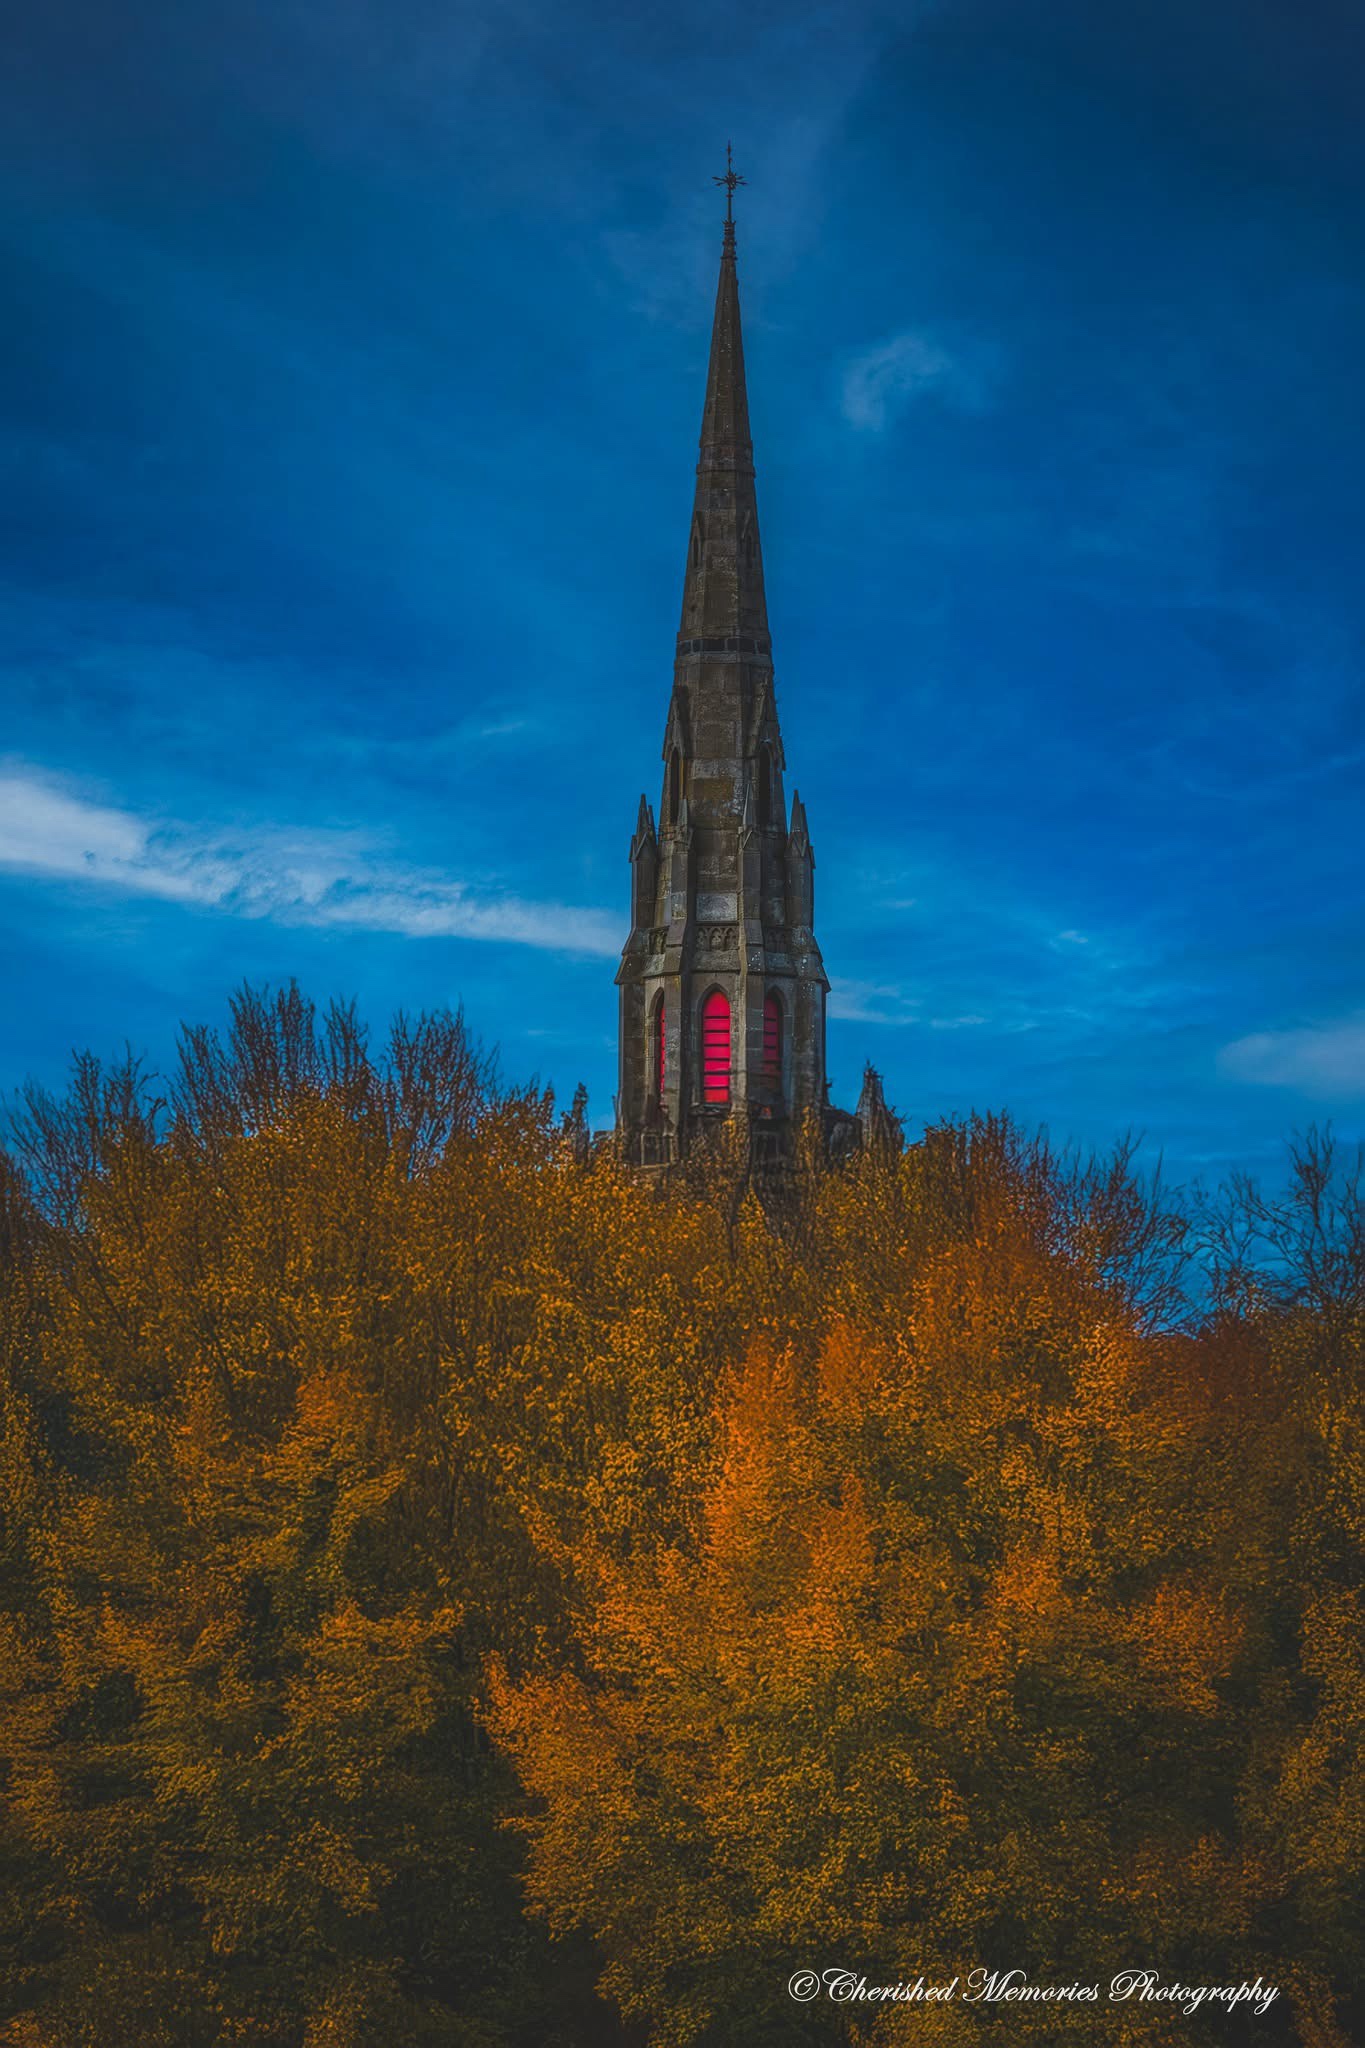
729 181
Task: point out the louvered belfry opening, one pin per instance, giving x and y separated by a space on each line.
772 1043
715 1048
660 1048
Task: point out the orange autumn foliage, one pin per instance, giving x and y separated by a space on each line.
440 1575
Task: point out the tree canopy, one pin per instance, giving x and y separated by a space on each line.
456 1591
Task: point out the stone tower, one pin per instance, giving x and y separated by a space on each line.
722 985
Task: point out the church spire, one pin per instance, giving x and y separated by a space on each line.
723 587
722 984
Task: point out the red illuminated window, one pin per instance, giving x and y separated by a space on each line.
715 1048
660 1049
772 1041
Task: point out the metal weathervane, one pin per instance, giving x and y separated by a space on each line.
729 181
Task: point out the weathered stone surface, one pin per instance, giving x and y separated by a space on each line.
722 890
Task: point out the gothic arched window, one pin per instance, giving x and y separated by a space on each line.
765 787
658 1049
715 1047
772 1041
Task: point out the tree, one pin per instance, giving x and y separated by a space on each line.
970 1651
901 1570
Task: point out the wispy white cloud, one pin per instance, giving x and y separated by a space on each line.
880 380
467 741
45 831
1325 1061
866 1002
293 877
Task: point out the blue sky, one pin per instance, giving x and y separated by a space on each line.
349 394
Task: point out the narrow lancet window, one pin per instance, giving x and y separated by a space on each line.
715 1048
772 1043
659 1051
